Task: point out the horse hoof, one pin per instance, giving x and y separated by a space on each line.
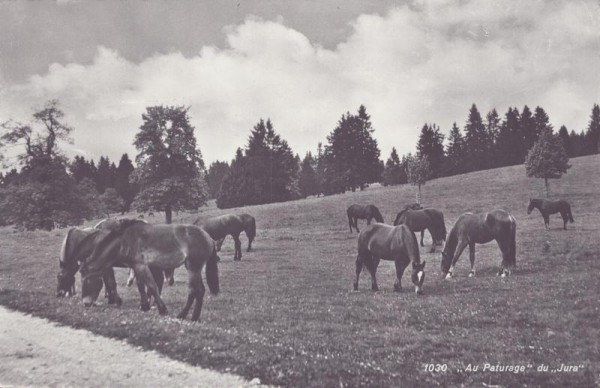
355 287
163 311
375 288
118 301
181 316
448 275
397 289
471 274
145 307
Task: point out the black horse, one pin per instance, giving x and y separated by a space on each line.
424 219
395 243
230 224
363 212
471 229
547 207
143 246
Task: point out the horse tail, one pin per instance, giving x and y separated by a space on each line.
250 229
212 273
513 242
569 213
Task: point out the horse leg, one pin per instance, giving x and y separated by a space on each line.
432 250
546 221
169 276
157 274
350 223
460 247
356 224
220 243
401 264
238 248
472 258
359 267
131 277
143 273
144 302
372 267
111 287
565 218
506 249
197 288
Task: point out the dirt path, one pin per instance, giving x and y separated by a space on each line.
36 352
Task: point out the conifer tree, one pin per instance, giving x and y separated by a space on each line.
431 145
593 132
475 140
455 152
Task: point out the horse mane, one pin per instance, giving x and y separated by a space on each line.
63 248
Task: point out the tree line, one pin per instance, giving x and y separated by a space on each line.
169 173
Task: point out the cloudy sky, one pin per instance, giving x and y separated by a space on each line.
301 63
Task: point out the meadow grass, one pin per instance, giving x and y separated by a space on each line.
287 313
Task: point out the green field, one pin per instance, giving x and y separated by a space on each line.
287 313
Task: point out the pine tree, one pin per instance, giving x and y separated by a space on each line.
492 128
214 177
393 173
563 134
123 186
507 146
352 156
169 165
547 158
308 177
236 184
105 176
475 140
529 132
456 158
431 145
593 132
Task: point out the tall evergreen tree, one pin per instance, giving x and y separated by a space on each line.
431 145
122 184
593 132
270 171
169 165
475 140
214 177
105 176
542 121
492 128
455 152
352 155
393 174
507 146
563 134
529 132
308 177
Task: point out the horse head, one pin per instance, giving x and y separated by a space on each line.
531 205
446 263
418 277
399 217
375 213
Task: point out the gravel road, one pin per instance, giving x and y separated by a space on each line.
36 352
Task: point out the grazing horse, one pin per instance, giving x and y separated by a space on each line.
420 220
471 229
363 212
230 224
395 243
69 265
547 207
143 246
169 275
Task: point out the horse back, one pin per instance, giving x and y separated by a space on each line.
221 226
387 242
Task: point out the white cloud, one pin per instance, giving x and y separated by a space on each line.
420 63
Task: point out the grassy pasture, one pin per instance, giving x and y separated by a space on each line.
287 313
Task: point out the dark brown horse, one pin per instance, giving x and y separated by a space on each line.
230 224
471 229
363 212
71 248
143 246
547 207
395 243
424 219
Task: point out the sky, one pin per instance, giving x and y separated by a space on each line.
300 63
